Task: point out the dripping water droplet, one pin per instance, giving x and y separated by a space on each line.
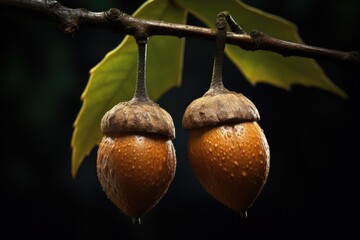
136 220
243 214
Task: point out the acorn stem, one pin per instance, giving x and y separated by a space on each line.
141 90
216 80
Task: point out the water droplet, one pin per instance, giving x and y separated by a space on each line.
136 220
243 214
228 134
232 174
243 173
216 145
236 163
133 167
210 149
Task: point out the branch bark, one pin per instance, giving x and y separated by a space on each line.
70 20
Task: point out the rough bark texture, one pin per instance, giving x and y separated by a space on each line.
71 20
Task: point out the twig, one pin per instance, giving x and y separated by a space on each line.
71 20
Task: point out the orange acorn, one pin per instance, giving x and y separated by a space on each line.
228 150
136 160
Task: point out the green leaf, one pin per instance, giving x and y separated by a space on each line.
262 66
113 79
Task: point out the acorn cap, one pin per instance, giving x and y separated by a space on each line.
138 117
216 107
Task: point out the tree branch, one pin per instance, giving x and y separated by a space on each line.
71 20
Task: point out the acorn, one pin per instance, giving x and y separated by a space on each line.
227 149
136 160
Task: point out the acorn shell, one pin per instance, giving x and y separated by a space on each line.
135 171
216 107
231 162
138 117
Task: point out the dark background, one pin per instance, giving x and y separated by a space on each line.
313 185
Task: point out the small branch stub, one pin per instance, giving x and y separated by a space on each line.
234 26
